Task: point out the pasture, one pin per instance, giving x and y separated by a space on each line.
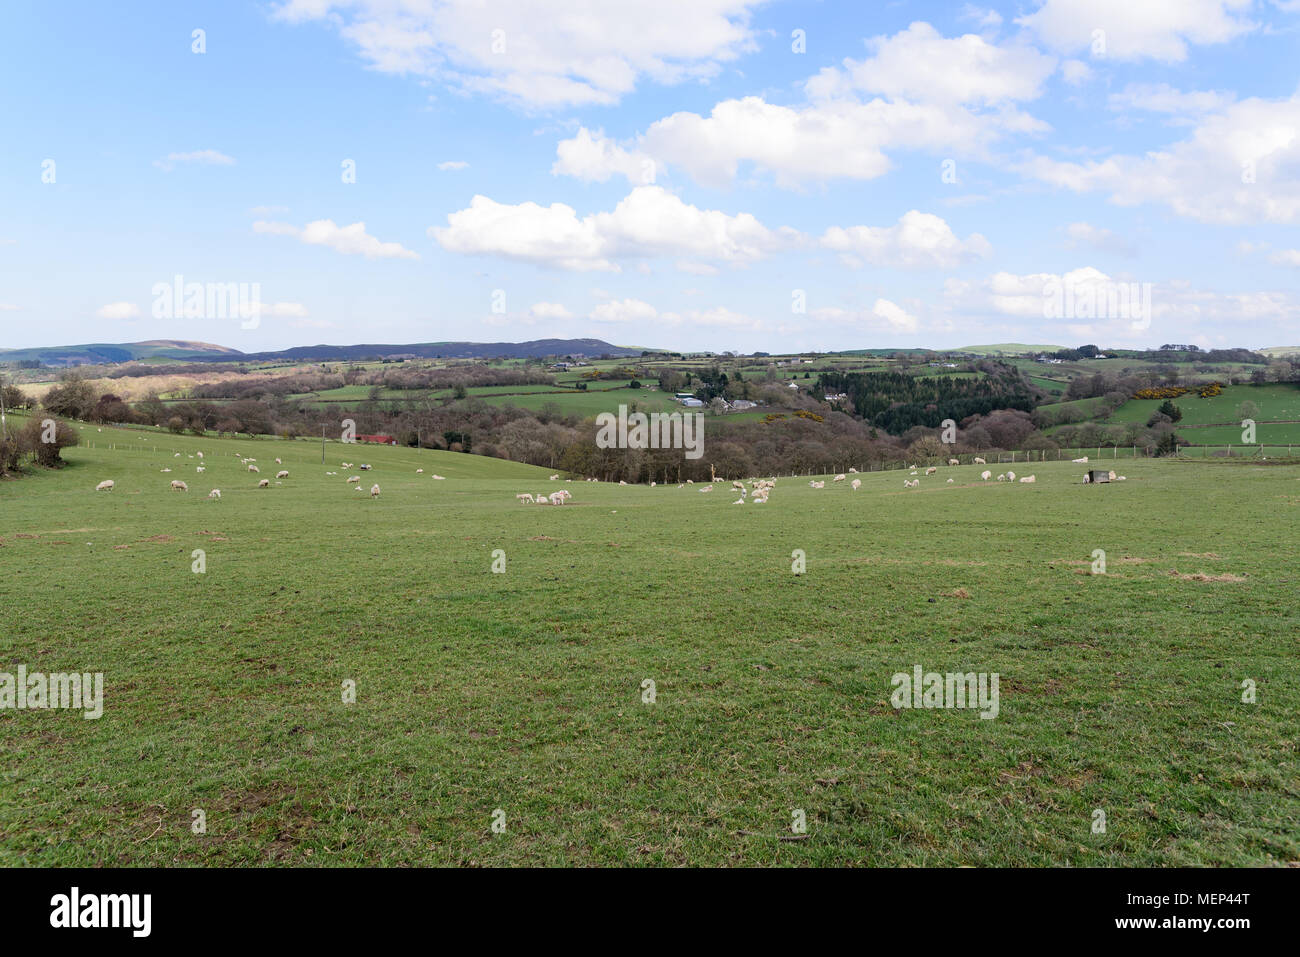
522 690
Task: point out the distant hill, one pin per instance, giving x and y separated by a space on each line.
1279 352
1008 348
182 351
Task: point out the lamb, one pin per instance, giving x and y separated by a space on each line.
524 497
166 470
986 475
852 471
179 486
913 472
419 471
352 479
949 481
557 498
555 478
1011 476
817 484
1081 461
439 478
374 491
953 462
739 501
199 469
278 462
839 478
105 486
979 462
855 484
930 471
1026 479
1002 477
1111 476
283 473
264 483
253 468
365 468
911 483
199 454
215 493
1087 478
1121 478
707 488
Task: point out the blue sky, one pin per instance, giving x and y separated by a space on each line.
653 172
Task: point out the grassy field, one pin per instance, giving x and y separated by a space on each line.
521 691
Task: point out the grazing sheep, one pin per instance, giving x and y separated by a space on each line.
979 462
179 486
524 497
652 484
621 482
1121 478
215 493
105 486
1026 480
264 483
419 471
1011 476
199 454
986 475
374 491
1002 477
839 478
930 471
707 488
283 473
738 485
278 462
166 470
199 469
690 481
1112 475
852 470
557 498
353 479
177 455
818 484
949 481
953 462
555 478
855 484
365 468
254 468
913 472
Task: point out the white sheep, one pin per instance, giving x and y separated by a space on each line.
1111 476
353 479
264 483
215 493
199 454
1026 479
419 471
105 486
853 471
439 478
739 501
930 471
1002 477
953 462
374 491
524 497
1011 476
166 470
979 462
555 478
199 469
179 486
1121 478
254 468
1082 461
1087 478
949 481
855 484
986 475
283 473
557 498
839 478
707 488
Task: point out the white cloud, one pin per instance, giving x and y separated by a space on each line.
282 310
453 165
349 240
1240 165
884 315
625 310
549 310
8 307
894 316
919 91
1075 72
1286 257
916 240
1138 29
198 158
649 222
118 310
591 52
1163 98
1095 237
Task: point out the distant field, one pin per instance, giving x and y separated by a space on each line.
1276 402
522 691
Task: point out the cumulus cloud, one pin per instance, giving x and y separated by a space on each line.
918 91
549 310
118 310
1240 165
349 240
8 307
624 310
452 165
197 158
648 223
916 240
1163 98
1152 29
527 53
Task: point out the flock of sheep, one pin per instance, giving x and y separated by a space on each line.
179 486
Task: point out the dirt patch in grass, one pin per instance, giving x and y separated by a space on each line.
1198 554
956 593
1202 577
159 539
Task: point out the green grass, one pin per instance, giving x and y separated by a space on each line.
521 690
